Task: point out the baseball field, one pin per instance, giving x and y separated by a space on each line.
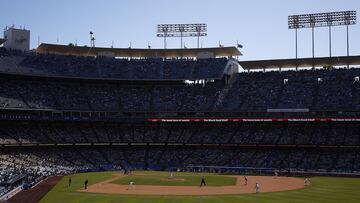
154 187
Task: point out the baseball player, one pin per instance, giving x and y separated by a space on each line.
69 181
307 181
171 176
131 185
86 184
257 187
275 174
246 180
203 183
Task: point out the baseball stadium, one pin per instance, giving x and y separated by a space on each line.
93 123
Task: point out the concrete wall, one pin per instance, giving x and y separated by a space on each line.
17 39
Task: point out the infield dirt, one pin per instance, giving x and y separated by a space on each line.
267 184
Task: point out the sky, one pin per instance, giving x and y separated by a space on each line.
259 25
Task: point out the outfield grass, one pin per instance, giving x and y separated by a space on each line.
323 190
186 179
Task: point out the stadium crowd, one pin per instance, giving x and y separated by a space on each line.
319 90
328 133
105 68
264 145
60 160
35 149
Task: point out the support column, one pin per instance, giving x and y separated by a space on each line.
296 43
198 40
313 42
164 42
181 36
330 41
347 40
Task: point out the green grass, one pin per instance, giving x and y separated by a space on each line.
189 179
323 190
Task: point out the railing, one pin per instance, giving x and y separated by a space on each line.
192 145
10 194
268 171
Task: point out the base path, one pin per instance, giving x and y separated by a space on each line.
267 184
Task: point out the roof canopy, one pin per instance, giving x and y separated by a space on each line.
2 41
143 53
302 62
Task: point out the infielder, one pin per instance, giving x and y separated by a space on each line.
131 185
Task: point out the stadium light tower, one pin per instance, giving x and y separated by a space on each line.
314 20
91 38
182 30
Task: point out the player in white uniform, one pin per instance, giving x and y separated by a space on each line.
131 185
257 187
307 181
276 174
171 176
